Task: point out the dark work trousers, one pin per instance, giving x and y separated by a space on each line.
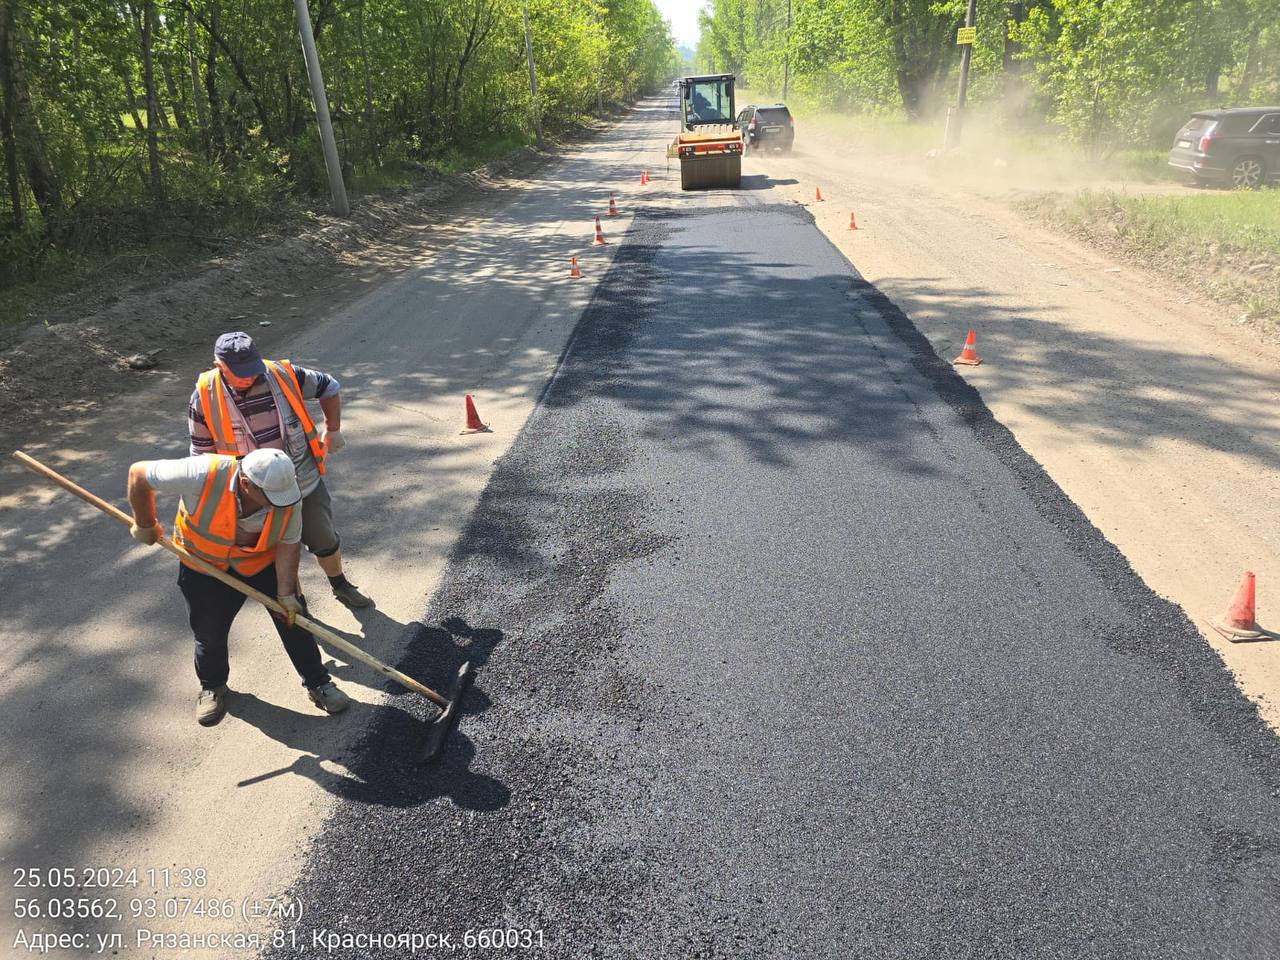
213 606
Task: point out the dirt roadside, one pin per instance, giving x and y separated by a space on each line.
64 364
1148 404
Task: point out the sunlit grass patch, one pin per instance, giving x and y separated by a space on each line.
1226 242
1216 221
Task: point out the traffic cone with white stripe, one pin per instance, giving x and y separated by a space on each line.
474 423
1239 622
969 355
599 240
853 224
613 207
575 273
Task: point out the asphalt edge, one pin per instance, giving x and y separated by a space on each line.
1159 630
432 646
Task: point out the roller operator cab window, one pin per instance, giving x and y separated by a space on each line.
709 102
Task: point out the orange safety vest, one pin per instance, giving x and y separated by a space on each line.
217 415
209 531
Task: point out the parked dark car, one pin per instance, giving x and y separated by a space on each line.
768 127
1237 148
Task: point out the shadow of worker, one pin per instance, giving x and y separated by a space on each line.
383 767
431 655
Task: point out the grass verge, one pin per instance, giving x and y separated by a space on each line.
1226 244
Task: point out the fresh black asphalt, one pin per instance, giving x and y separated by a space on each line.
786 649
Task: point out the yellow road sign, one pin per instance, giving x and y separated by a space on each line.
966 35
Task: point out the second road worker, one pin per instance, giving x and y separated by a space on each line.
245 403
243 517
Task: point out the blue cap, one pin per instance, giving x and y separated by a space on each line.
238 352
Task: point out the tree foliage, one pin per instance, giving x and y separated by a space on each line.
1106 72
116 112
1118 72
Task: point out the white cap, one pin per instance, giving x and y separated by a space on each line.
272 470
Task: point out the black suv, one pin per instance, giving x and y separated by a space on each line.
1236 148
767 127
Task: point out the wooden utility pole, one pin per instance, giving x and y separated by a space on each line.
955 117
337 188
533 74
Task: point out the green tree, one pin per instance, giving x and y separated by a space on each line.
120 118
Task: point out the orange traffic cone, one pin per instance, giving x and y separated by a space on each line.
853 224
599 240
474 423
1238 622
817 194
969 355
574 272
613 207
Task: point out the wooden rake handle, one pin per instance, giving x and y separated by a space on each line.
317 629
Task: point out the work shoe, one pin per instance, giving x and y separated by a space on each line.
211 706
352 597
329 698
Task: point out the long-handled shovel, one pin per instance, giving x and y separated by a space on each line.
437 730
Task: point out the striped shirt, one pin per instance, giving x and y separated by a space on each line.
259 422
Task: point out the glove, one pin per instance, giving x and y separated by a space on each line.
333 441
293 605
148 535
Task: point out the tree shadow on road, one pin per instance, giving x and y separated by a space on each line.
691 364
1123 393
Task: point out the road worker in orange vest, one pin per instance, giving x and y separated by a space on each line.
245 403
244 517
